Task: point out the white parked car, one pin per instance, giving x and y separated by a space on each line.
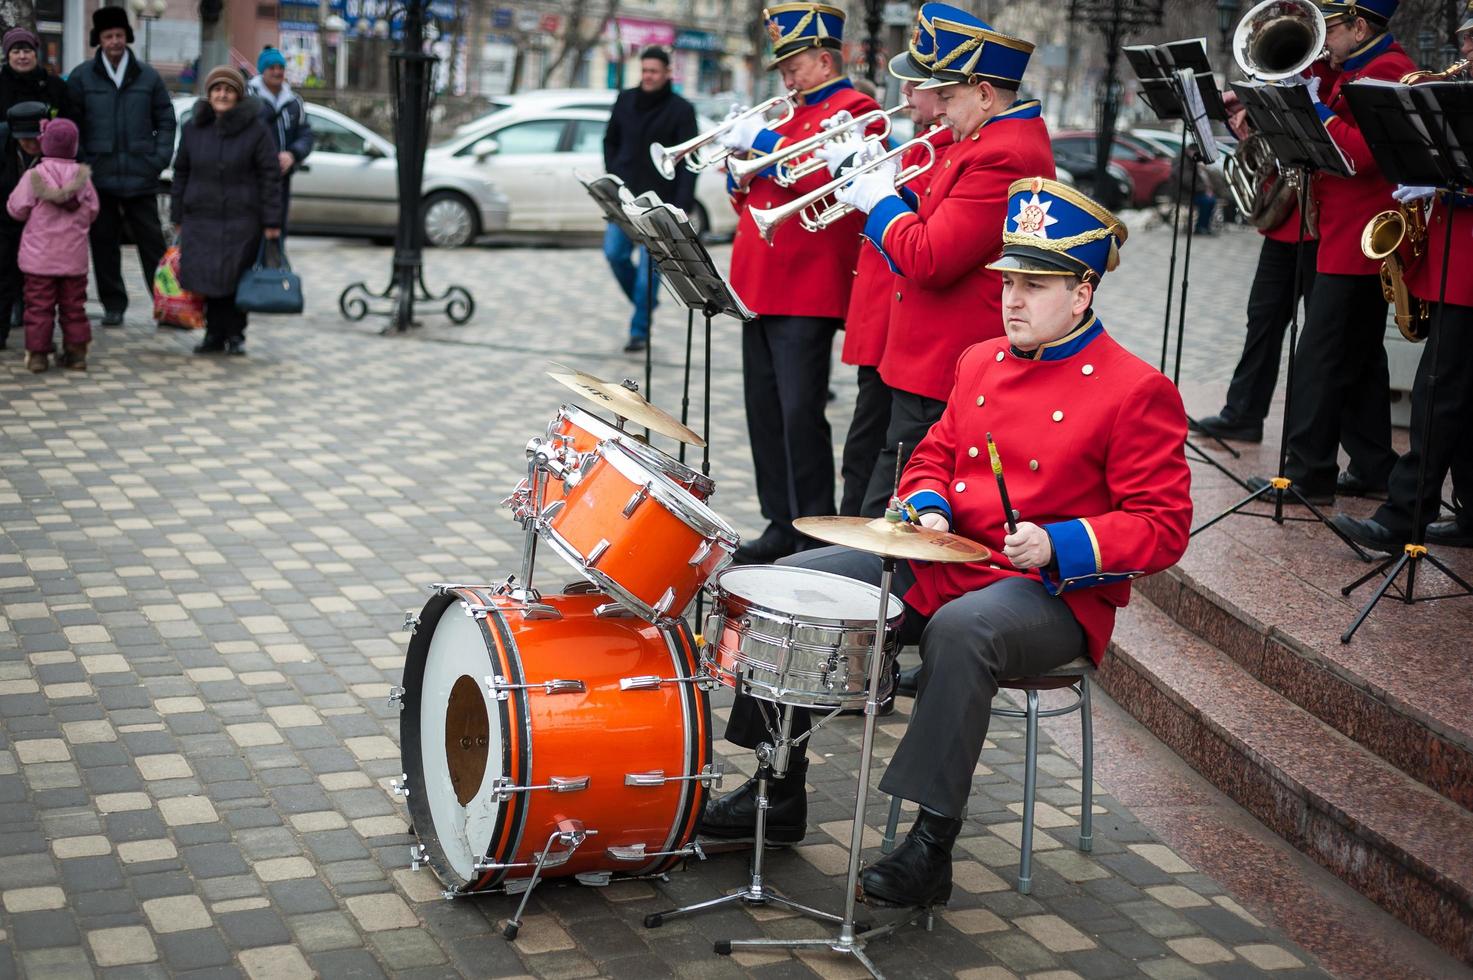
544 98
533 154
349 186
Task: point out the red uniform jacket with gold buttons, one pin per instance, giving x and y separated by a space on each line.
868 319
802 273
1424 278
1346 204
944 299
1091 441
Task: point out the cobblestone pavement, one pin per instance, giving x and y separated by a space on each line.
204 564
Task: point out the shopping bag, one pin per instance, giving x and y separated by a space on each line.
173 305
269 286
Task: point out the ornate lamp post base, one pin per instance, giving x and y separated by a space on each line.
358 301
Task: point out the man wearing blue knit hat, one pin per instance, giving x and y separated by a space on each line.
285 116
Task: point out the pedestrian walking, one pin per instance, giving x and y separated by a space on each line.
227 194
23 79
285 116
647 114
127 127
57 203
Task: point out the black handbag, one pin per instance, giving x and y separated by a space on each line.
269 286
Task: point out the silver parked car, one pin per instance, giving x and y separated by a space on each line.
349 186
533 154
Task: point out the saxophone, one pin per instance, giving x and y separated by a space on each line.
1451 71
1385 237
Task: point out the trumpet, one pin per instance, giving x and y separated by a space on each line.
1279 38
694 151
1383 238
795 161
815 213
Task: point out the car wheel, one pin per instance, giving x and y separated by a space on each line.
449 220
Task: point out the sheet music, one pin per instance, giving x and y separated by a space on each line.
1196 113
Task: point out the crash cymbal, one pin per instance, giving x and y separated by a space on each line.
892 539
625 402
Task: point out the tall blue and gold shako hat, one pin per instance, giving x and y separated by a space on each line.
914 63
970 51
1376 10
1054 230
796 27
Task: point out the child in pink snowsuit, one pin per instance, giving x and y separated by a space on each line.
58 203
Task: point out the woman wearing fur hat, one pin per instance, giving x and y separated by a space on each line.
58 204
227 194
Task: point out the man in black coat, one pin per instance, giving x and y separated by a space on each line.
23 81
650 113
127 124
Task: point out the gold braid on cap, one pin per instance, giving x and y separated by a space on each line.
798 28
966 47
1056 244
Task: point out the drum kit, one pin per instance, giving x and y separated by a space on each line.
568 734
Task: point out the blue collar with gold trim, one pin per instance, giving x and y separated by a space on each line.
816 95
1368 52
1029 109
1068 345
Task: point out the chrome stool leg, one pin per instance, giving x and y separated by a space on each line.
1030 787
887 842
1087 791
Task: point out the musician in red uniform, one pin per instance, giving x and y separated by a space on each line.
798 286
945 297
1448 442
1341 386
1271 300
1091 441
868 320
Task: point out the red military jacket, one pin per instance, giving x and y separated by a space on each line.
1288 229
868 320
1346 204
945 300
1091 441
1424 278
802 273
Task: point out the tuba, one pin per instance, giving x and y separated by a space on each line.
1263 194
1386 237
1279 38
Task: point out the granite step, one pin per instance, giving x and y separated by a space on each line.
1396 841
1401 689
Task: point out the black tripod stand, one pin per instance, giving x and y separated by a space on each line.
1423 155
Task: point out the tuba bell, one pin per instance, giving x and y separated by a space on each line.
1386 237
1279 38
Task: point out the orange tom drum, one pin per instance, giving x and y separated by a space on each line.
518 719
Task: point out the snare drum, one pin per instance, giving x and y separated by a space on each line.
634 533
797 635
519 718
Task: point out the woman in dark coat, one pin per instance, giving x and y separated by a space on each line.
227 193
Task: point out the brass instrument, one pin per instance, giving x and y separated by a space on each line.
694 151
795 161
1278 39
814 214
1386 237
1450 72
1262 193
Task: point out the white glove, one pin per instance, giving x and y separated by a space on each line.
1313 87
741 134
1293 80
837 119
1405 194
867 190
838 152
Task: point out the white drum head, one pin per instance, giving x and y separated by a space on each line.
458 770
806 594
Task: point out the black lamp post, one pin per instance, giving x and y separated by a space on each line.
1227 19
412 75
1113 19
873 10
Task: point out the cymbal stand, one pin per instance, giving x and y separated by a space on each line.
850 940
772 763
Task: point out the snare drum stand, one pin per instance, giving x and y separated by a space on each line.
772 763
851 940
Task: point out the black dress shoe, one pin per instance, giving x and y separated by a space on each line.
918 872
909 682
774 543
210 345
236 346
635 345
1350 485
1368 533
1451 532
1320 498
734 816
1225 428
112 318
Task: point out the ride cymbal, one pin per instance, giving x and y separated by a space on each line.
627 403
892 539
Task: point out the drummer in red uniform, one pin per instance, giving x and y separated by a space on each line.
798 286
1091 440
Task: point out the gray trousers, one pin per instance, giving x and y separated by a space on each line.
1012 628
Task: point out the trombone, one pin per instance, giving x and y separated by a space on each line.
787 166
694 151
812 210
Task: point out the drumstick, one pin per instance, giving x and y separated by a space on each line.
1002 487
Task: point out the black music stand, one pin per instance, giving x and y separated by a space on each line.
1177 83
1287 118
1420 135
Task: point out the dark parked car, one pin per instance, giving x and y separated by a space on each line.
1147 167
